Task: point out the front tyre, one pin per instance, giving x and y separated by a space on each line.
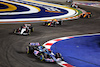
27 49
41 57
14 31
32 29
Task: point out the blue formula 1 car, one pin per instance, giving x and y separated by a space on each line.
42 53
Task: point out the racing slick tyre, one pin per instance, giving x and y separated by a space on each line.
32 29
29 33
81 16
88 16
59 22
14 31
58 55
41 57
29 50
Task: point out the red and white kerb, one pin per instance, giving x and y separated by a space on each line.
48 45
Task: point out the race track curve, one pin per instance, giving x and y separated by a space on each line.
33 11
12 47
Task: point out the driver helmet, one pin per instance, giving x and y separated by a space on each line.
40 47
56 20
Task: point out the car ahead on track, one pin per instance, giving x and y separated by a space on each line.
69 1
42 53
86 15
53 23
74 5
26 29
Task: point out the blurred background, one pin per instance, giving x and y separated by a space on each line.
86 0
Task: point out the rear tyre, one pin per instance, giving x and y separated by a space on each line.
59 22
29 33
32 29
58 55
29 50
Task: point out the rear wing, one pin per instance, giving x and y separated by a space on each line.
26 25
34 44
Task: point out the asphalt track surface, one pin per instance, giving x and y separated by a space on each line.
13 47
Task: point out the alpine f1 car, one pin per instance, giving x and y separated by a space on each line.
26 29
42 53
52 23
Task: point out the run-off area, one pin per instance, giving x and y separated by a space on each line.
83 51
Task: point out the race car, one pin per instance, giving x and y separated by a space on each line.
74 5
86 15
53 23
69 1
42 53
26 29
